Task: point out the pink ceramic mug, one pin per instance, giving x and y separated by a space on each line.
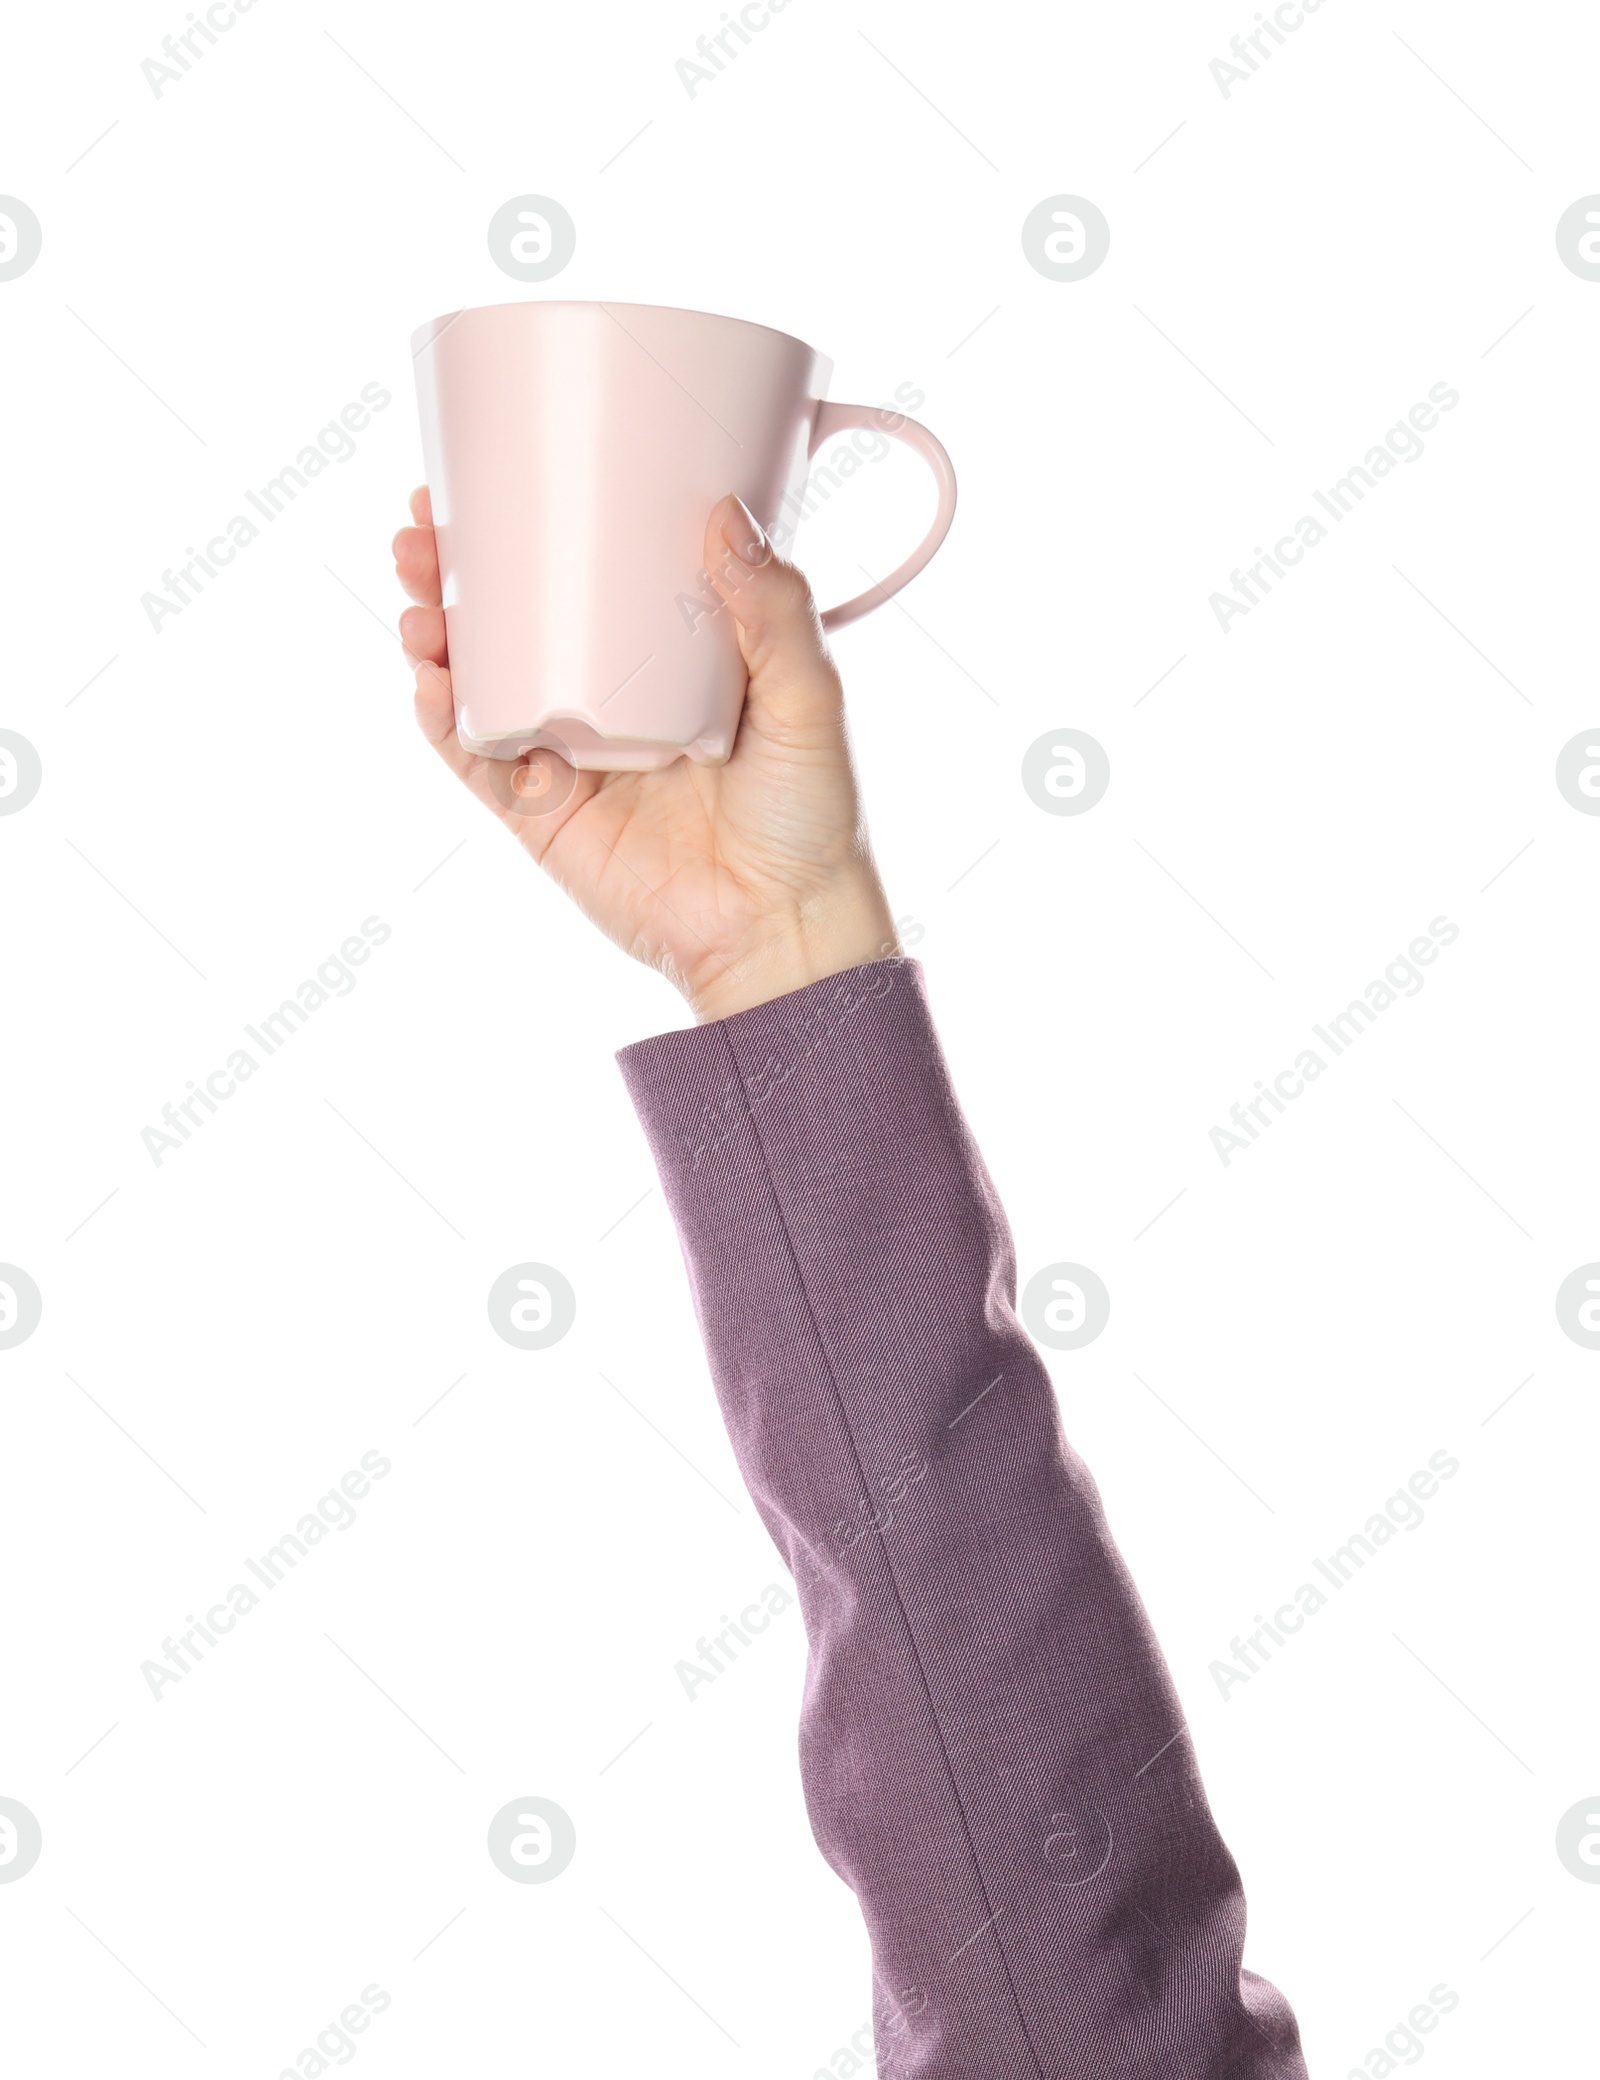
574 452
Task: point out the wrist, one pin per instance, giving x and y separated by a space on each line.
844 930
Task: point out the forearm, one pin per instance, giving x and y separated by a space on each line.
992 1751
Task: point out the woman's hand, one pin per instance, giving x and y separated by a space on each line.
738 882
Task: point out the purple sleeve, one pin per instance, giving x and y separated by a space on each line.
993 1754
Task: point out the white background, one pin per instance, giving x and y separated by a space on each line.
226 1334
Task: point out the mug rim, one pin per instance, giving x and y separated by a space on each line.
425 334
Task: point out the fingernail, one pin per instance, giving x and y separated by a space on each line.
744 536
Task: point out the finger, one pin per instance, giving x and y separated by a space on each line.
436 718
435 707
532 796
422 506
422 631
793 683
416 560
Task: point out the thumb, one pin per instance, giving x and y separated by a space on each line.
793 681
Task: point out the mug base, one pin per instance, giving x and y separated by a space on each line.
590 750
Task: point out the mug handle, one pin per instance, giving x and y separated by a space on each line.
839 418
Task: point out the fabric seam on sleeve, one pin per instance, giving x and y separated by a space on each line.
905 1616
